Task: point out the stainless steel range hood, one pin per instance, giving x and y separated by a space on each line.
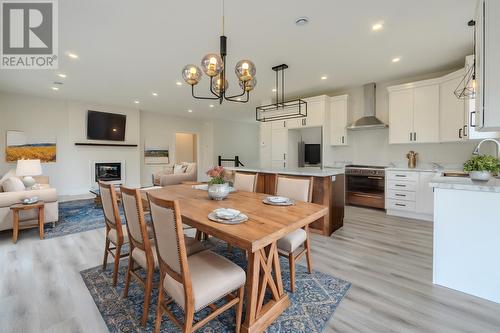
369 120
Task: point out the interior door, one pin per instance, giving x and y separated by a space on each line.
426 114
400 116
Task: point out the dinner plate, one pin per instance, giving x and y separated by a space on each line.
226 213
277 199
237 220
286 203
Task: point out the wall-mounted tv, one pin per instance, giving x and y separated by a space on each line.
106 126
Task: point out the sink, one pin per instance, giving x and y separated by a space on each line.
455 174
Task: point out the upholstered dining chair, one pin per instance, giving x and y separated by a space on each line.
244 181
193 282
295 244
116 235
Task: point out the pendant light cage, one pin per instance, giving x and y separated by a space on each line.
467 86
281 109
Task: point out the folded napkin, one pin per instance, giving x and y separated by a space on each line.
277 199
226 213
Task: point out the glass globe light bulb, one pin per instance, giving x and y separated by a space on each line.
212 64
245 70
191 74
248 85
217 84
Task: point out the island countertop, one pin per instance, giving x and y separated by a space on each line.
465 183
312 172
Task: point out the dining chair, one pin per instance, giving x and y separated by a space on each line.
115 234
193 282
244 181
142 251
299 189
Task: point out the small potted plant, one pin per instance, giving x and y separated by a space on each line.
218 188
482 167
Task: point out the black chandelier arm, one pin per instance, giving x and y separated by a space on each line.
238 101
203 97
235 96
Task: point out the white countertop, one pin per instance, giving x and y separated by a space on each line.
417 169
316 172
467 184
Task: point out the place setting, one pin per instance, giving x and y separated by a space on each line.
278 201
227 216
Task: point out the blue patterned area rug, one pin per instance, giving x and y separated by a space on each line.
312 305
76 216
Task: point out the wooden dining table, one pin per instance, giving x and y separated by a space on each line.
258 236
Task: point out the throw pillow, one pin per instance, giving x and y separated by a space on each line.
10 173
190 167
179 168
13 184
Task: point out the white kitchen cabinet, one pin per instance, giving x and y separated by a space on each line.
408 194
487 65
426 114
279 147
338 120
401 116
316 110
278 124
265 137
452 126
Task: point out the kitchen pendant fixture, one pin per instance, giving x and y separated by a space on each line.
214 66
282 109
467 87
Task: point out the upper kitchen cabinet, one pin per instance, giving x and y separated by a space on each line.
487 65
414 112
338 120
452 125
316 110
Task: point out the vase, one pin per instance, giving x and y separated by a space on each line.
218 191
480 175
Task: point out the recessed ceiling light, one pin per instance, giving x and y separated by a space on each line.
377 26
155 94
324 77
136 102
397 59
179 83
238 99
61 75
55 88
274 89
302 21
211 105
190 110
72 55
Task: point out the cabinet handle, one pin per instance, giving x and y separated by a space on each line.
284 123
414 136
411 136
472 123
399 185
342 139
376 178
404 176
460 133
465 131
400 205
400 195
284 156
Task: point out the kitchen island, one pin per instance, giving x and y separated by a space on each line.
467 235
328 190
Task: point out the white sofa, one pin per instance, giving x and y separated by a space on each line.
45 193
168 177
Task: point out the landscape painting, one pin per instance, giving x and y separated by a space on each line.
18 148
156 155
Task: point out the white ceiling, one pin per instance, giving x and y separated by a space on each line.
128 49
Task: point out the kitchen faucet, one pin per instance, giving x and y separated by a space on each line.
476 151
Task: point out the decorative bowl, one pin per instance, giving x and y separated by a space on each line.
480 175
218 191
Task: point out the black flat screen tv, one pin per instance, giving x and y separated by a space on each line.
106 126
313 153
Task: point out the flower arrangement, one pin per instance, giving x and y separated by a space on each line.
217 175
483 163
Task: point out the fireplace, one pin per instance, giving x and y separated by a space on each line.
108 171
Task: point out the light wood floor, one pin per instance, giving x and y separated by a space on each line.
388 260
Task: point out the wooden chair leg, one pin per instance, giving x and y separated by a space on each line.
291 260
129 274
239 309
188 320
116 263
307 245
106 250
159 311
147 295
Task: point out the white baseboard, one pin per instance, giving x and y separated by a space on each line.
410 215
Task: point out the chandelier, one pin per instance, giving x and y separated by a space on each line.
214 66
467 87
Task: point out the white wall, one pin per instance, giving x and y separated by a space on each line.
48 119
372 146
241 139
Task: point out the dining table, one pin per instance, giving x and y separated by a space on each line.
258 236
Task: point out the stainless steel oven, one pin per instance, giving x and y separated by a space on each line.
365 186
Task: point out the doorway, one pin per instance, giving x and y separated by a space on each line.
185 147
